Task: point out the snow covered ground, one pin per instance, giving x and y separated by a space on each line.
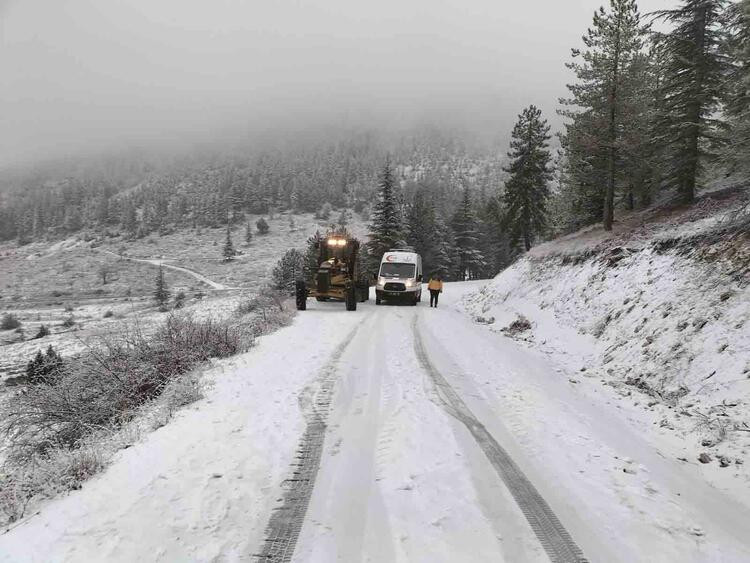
401 477
594 396
666 332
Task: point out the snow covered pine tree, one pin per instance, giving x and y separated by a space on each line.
527 189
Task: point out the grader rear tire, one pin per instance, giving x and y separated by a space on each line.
301 295
351 298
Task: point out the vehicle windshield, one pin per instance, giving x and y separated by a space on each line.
397 270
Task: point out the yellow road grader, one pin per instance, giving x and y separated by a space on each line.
338 277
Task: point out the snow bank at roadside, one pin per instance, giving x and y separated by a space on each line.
666 329
201 487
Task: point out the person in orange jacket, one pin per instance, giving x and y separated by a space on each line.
435 286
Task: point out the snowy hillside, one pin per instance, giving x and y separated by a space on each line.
659 311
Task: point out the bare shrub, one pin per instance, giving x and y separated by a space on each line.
176 394
713 425
106 385
179 300
45 476
267 298
521 324
62 431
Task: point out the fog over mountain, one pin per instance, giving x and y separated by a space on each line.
84 75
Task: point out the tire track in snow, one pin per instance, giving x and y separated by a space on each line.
285 523
555 539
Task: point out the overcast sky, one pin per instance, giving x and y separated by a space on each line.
77 75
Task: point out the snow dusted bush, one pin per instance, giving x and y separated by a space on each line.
269 311
9 322
107 384
57 470
55 430
521 324
177 393
42 332
262 226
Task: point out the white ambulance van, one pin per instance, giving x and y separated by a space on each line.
399 277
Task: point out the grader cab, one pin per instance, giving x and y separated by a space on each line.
338 277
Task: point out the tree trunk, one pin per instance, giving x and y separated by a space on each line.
609 196
694 117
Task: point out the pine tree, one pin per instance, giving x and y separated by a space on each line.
343 219
288 270
102 210
422 233
465 226
161 293
312 252
527 189
737 104
44 368
37 227
612 44
73 220
643 150
696 70
386 229
22 231
444 262
248 233
324 213
228 250
493 241
129 219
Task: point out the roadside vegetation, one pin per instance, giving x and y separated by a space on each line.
64 424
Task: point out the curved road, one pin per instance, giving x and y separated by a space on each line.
165 264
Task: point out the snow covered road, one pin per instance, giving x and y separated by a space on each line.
400 480
397 474
403 479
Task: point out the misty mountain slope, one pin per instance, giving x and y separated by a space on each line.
658 311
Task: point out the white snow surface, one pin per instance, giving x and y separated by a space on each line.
400 479
667 334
